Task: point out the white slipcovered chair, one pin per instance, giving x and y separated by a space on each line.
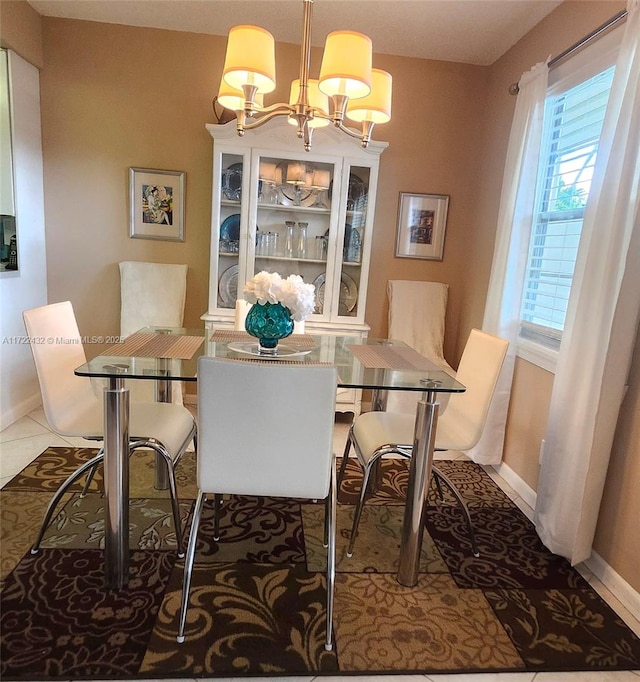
417 313
375 434
73 409
151 295
287 451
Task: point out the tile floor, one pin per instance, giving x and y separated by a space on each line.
24 440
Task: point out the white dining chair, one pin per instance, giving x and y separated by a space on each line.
417 312
151 295
375 434
73 409
266 429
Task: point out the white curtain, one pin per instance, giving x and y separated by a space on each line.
601 323
515 215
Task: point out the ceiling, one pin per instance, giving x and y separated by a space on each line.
468 31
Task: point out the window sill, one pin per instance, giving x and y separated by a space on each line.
546 358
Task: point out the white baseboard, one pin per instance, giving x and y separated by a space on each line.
615 583
527 493
15 412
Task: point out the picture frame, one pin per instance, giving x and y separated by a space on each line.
422 222
156 204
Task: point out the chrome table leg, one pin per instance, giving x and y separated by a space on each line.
116 483
418 486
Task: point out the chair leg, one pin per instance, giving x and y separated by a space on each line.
188 565
358 512
173 488
331 513
217 503
439 487
456 493
345 457
91 464
87 482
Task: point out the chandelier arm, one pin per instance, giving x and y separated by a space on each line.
268 114
364 136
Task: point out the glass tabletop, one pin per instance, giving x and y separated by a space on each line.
367 363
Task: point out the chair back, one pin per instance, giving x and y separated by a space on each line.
151 294
265 428
57 351
416 316
479 369
242 310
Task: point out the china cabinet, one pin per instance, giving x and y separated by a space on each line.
278 208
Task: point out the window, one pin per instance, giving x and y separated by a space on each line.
572 125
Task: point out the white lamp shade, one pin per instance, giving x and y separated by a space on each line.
268 172
296 173
376 106
250 59
317 100
321 179
346 65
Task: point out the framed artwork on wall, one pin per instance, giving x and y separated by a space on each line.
156 204
422 220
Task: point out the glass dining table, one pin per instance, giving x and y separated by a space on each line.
169 355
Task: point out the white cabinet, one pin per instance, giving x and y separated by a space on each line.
278 208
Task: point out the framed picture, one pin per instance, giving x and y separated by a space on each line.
422 220
156 204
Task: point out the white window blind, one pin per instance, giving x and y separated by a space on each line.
572 126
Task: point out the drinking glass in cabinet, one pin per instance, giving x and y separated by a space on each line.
289 238
301 251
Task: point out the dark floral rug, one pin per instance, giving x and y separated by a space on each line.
257 604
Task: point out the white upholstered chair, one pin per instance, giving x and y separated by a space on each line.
151 295
258 436
417 313
375 434
73 409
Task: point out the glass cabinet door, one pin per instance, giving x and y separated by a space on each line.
357 220
232 189
293 221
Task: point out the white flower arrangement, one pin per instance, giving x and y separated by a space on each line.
293 293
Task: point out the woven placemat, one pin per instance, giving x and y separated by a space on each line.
170 346
231 335
391 357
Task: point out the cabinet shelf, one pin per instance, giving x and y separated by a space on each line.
318 210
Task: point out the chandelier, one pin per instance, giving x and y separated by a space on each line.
347 85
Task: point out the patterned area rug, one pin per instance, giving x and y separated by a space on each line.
258 595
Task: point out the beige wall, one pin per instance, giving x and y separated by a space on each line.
21 28
115 96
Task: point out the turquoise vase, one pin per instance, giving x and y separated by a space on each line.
269 322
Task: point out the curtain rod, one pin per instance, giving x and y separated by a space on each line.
610 23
